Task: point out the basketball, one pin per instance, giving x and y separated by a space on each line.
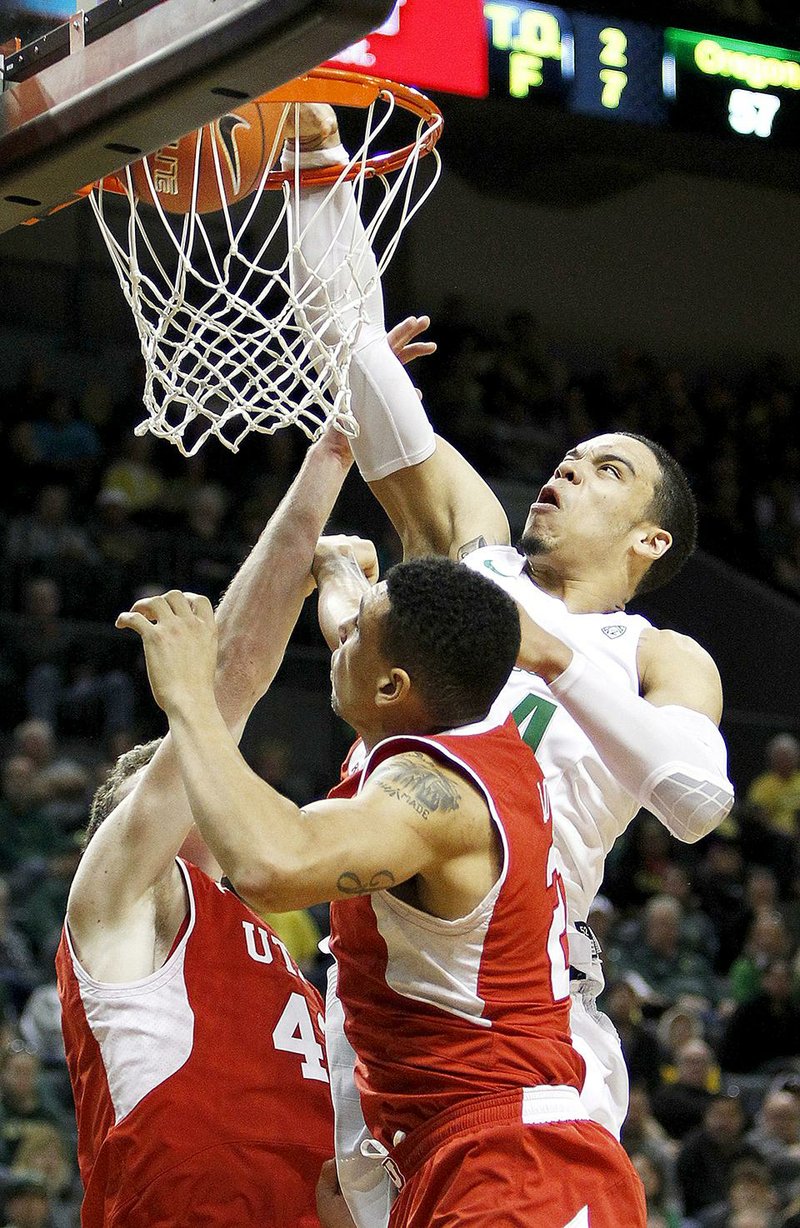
245 140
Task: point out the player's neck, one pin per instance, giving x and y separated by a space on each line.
589 594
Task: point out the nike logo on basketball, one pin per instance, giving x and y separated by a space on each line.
226 129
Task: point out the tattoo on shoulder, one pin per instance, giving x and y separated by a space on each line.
349 883
477 544
413 779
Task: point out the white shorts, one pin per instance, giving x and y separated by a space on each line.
605 1090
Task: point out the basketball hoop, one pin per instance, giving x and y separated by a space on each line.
233 339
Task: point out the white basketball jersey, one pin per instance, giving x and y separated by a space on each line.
590 808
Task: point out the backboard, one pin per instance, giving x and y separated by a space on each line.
122 79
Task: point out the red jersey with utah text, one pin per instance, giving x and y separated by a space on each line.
439 1011
201 1091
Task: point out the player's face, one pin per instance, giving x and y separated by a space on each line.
358 664
600 491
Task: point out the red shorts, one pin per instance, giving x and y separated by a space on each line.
484 1168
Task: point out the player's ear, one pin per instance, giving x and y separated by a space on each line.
394 685
652 542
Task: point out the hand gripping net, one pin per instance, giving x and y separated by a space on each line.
233 339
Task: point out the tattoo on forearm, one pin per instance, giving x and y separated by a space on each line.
412 779
349 883
477 544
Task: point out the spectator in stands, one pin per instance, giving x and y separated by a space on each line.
48 536
679 1025
776 1138
641 1131
751 1192
27 1203
66 680
42 888
58 444
764 1031
719 883
786 566
41 645
26 829
44 1152
681 1105
40 1026
207 555
637 865
34 739
640 1046
776 791
664 959
697 929
18 971
709 1154
768 939
25 1101
135 476
122 550
662 1211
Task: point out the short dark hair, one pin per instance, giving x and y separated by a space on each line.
674 507
106 797
455 632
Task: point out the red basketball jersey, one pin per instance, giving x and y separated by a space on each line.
201 1092
441 1011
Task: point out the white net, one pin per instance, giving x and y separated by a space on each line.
233 339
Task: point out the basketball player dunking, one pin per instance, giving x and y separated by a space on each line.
621 715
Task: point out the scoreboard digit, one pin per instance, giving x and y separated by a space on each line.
589 64
725 85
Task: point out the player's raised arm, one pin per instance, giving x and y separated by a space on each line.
126 883
437 502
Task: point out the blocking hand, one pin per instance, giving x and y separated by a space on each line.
179 634
357 550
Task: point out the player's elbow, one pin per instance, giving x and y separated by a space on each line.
694 822
274 884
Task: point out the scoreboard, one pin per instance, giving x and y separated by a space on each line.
591 64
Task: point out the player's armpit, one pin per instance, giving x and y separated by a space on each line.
442 506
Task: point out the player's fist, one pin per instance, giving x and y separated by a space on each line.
331 1206
343 546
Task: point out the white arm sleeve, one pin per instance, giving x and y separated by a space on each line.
673 760
330 249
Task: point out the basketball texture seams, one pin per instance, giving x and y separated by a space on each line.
246 141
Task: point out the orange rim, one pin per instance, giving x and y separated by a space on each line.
339 88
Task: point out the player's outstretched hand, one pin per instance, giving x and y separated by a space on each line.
357 550
179 634
331 1206
403 339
